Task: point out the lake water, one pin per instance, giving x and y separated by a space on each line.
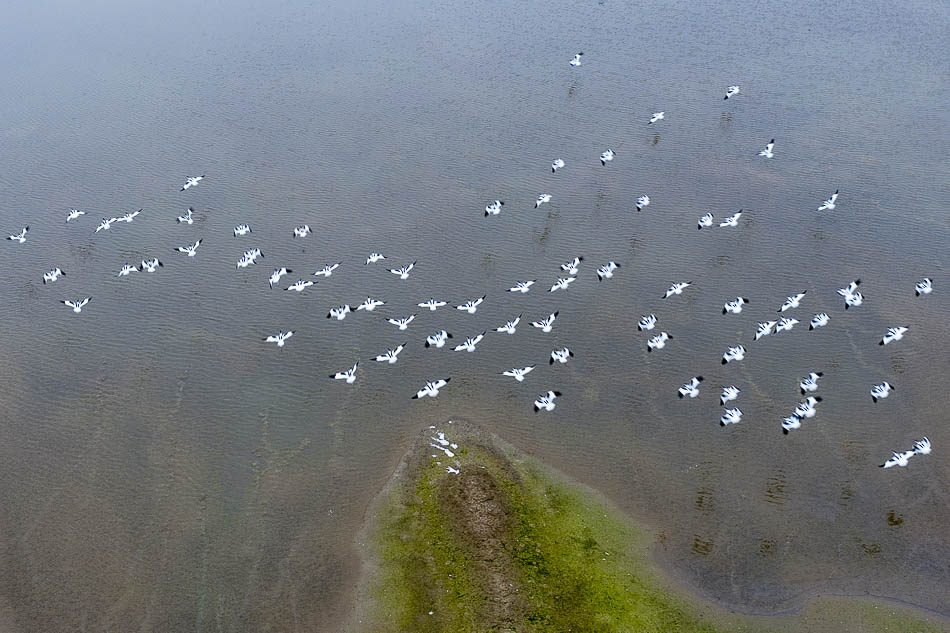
162 469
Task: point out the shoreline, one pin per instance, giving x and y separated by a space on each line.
512 471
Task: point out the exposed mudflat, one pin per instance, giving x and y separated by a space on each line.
470 535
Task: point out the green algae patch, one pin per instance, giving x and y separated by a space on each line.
506 544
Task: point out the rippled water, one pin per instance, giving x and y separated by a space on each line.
162 468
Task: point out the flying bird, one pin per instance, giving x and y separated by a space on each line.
128 217
404 271
280 338
731 91
819 320
706 220
767 152
606 157
302 231
509 327
643 201
571 267
438 339
192 182
150 265
729 394
852 297
881 391
732 220
241 230
105 225
893 334
370 304
792 302
677 289
274 279
542 198
494 208
391 356
922 446
560 355
557 164
431 388
470 343
547 323
576 60
190 250
53 275
78 305
546 401
764 329
691 388
810 382
127 270
74 214
327 270
339 313
402 323
731 416
471 306
375 257
647 322
733 353
658 341
829 204
923 287
348 375
518 373
607 270
807 408
785 324
562 283
522 286
899 459
734 306
187 218
432 304
656 117
300 285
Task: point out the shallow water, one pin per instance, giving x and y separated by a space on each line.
161 467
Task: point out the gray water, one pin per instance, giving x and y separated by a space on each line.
161 468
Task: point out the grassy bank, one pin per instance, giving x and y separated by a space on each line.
506 544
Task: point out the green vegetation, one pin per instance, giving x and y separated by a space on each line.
506 545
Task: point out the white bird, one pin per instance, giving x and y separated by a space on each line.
509 327
74 214
192 182
470 343
391 356
432 304
431 388
606 157
899 459
706 220
542 198
105 225
471 306
241 230
691 388
53 275
647 322
275 276
571 267
829 204
819 320
851 295
302 231
546 401
375 257
893 334
790 423
348 375
522 286
730 416
246 261
734 306
339 313
253 253
191 249
656 117
128 217
731 91
404 271
677 289
438 339
557 164
518 374
452 471
923 287
658 341
77 306
576 60
547 323
370 304
643 201
810 382
728 394
187 218
494 208
402 323
327 270
280 338
785 324
733 353
922 446
607 270
767 152
807 408
127 270
562 283
732 220
300 285
792 302
764 329
881 391
150 265
560 355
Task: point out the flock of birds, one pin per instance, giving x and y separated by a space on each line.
546 401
